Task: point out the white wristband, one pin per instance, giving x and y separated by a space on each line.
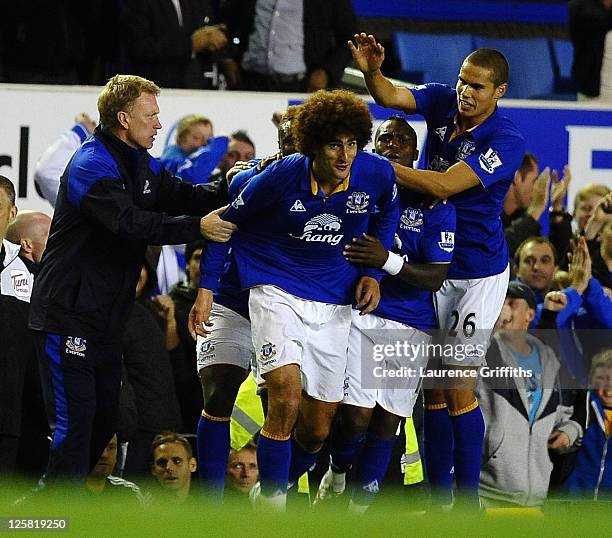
394 264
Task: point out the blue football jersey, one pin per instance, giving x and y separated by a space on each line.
494 151
424 235
291 235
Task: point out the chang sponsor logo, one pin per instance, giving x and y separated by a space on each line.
321 229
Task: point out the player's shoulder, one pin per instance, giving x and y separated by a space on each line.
288 164
94 160
368 162
434 93
279 175
501 126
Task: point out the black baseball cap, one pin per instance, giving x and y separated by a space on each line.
519 290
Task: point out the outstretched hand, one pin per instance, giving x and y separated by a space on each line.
367 53
214 228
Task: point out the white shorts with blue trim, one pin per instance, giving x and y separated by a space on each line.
311 334
229 341
467 311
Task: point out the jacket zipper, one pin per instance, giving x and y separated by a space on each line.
601 468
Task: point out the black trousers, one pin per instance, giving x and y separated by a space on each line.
81 381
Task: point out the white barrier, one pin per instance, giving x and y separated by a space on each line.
33 117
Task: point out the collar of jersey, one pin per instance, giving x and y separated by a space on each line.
475 131
314 186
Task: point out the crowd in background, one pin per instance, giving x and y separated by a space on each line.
561 252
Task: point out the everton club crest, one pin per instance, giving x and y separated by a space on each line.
357 202
411 219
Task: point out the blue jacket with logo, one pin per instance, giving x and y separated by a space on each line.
113 201
591 476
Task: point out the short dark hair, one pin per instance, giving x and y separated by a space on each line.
494 61
327 114
400 119
7 185
172 437
190 248
539 240
242 136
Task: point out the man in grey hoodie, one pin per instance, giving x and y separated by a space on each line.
525 409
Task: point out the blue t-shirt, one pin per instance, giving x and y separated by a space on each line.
198 165
534 383
494 151
293 238
424 235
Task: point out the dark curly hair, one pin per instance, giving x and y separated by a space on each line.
325 115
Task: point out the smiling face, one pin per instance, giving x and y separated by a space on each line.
395 141
140 123
602 384
516 315
333 161
477 94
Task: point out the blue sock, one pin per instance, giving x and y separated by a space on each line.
213 447
301 461
373 463
438 445
469 430
344 452
273 460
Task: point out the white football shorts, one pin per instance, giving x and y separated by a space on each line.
311 334
391 381
229 341
467 311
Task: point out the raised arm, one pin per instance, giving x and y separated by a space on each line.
368 55
457 178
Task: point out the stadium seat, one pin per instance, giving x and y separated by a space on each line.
431 57
563 56
531 67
